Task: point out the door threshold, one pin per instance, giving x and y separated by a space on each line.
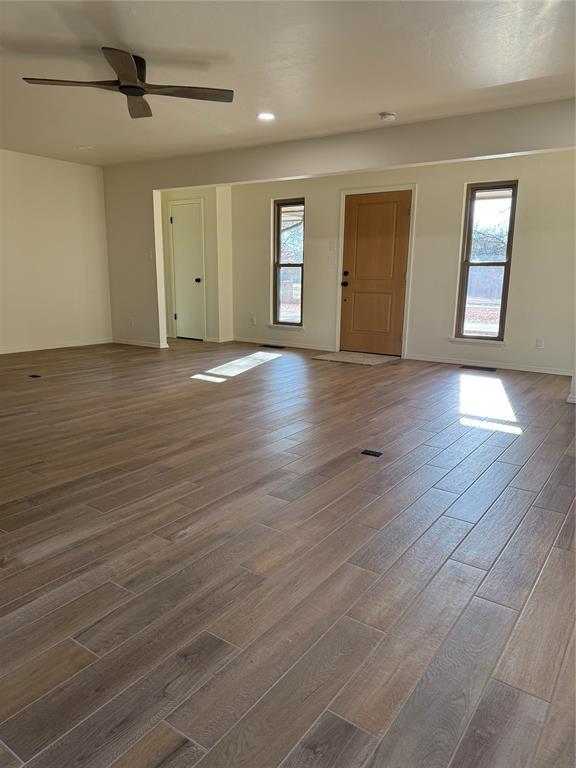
364 352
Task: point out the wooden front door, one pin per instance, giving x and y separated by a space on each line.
376 233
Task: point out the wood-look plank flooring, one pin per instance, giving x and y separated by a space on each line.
207 572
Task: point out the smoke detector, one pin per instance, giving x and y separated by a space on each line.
387 117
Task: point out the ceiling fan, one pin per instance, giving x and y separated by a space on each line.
131 71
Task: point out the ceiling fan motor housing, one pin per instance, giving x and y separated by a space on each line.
131 90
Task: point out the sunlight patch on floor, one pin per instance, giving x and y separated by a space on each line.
242 364
492 426
485 398
236 367
205 377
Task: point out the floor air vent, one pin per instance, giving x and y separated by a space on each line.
271 346
368 452
478 368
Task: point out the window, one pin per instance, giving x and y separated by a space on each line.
487 249
288 261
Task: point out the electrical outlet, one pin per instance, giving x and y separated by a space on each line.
131 322
539 343
253 320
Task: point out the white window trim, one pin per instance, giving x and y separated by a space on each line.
480 342
286 326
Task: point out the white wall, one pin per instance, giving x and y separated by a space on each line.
129 187
54 288
541 298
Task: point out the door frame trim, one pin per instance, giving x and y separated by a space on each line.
407 301
171 205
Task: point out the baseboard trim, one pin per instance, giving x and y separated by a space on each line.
284 343
299 345
489 363
60 345
138 343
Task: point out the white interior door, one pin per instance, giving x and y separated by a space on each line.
186 221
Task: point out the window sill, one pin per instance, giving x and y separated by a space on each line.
286 327
480 342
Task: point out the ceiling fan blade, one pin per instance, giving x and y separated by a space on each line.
138 107
190 92
107 85
123 64
140 67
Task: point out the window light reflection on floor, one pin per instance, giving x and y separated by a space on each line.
205 377
493 426
484 404
485 397
235 367
241 364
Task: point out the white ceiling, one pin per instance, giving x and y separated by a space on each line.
321 67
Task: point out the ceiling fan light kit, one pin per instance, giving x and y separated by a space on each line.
131 72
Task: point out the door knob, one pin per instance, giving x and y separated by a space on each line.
344 283
197 279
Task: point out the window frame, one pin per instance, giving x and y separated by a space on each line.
465 262
277 264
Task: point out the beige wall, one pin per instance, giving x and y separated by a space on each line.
53 263
541 298
129 187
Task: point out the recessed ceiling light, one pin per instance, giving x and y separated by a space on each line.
387 117
266 116
84 147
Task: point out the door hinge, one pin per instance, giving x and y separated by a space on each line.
175 316
171 220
